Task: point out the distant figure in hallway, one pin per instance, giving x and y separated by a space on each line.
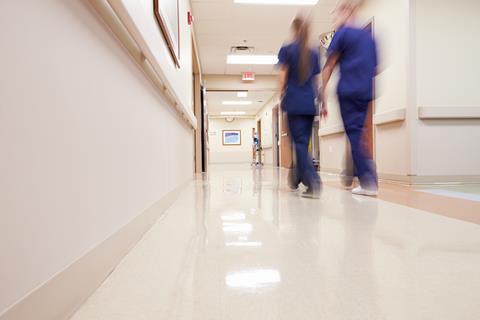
354 49
298 84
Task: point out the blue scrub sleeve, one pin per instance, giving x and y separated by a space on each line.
337 45
316 64
283 56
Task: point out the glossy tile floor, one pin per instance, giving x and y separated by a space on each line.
239 245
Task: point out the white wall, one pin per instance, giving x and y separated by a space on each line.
230 154
87 142
447 52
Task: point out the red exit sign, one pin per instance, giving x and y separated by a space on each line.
248 76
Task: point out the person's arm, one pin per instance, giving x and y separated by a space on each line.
282 80
326 75
283 74
333 55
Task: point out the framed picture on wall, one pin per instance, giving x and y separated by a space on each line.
232 137
168 18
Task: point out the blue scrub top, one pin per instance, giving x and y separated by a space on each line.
299 98
358 61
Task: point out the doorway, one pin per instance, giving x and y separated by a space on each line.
276 136
200 112
259 133
286 154
369 130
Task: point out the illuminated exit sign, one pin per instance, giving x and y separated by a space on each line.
248 76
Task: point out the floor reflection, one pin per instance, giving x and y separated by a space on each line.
253 278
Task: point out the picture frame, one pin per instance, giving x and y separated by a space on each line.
232 137
167 14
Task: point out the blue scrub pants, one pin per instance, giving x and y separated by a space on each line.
301 129
354 113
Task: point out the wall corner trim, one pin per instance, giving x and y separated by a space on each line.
396 115
438 113
330 130
60 296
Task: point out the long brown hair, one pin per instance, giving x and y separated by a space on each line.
301 27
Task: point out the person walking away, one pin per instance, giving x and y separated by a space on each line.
354 49
298 84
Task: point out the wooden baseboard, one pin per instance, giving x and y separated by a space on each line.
59 297
416 180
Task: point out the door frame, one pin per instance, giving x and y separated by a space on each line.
200 142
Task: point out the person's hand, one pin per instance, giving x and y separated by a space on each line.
324 110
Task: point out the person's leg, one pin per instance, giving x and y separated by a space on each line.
295 128
354 113
311 175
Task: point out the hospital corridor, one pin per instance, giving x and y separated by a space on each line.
239 160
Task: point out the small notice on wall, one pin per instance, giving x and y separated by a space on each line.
212 133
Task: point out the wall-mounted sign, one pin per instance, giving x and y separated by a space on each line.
326 39
248 76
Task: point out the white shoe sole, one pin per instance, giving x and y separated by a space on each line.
364 192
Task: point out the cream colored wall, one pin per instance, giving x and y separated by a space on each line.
447 65
230 154
87 141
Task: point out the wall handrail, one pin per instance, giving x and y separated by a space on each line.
438 113
391 116
116 16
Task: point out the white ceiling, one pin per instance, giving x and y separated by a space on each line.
222 24
215 99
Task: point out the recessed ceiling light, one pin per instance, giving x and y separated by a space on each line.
280 2
233 113
242 94
237 103
252 59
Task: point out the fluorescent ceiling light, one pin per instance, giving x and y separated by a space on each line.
242 94
252 59
237 103
233 113
280 2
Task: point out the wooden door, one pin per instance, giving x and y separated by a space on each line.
286 155
369 130
276 137
259 132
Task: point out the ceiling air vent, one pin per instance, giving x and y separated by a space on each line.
242 49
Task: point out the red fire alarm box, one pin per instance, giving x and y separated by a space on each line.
190 18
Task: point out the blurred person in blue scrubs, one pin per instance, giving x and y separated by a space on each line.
354 49
298 83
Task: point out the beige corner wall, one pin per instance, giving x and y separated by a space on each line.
219 153
447 51
87 141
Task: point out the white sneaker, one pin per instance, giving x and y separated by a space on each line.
365 192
